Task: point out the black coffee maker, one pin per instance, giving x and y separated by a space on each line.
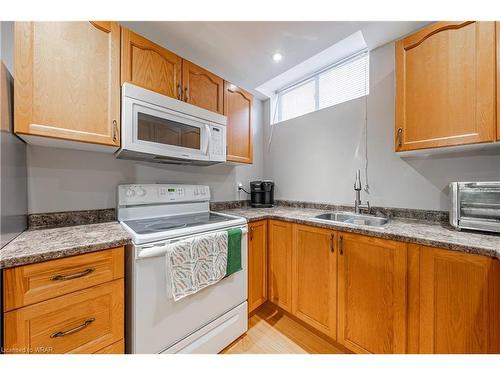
262 193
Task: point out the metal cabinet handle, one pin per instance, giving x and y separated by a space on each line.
72 330
115 130
400 137
341 245
179 91
186 97
73 275
332 246
251 233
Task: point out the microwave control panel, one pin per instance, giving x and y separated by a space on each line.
217 144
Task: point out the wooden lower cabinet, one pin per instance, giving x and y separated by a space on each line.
67 305
314 278
280 264
374 295
459 304
257 264
372 288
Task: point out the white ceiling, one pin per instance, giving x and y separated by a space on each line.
241 52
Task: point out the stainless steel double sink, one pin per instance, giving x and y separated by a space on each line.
352 218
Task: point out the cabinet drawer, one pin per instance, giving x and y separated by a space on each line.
38 282
116 348
81 322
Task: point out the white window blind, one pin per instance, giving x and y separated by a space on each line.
299 100
338 83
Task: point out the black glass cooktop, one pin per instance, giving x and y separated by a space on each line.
162 224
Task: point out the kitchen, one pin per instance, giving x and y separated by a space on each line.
348 190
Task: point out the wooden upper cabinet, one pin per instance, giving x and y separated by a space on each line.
280 263
498 79
257 264
445 86
459 303
202 88
372 290
238 109
150 66
314 278
67 81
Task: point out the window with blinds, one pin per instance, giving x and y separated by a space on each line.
345 80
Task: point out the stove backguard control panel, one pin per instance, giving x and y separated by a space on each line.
140 194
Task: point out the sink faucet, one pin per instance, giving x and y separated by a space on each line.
357 188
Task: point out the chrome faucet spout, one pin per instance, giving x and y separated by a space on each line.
357 188
357 182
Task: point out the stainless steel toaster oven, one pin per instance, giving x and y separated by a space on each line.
475 205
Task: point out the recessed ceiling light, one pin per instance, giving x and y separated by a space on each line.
277 57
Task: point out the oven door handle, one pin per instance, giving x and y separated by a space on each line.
161 249
153 251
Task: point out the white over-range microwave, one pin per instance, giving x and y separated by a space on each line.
160 129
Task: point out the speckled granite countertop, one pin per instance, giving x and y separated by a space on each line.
35 246
436 234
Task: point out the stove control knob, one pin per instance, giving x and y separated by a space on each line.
141 192
130 193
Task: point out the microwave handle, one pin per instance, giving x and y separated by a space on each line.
454 205
209 138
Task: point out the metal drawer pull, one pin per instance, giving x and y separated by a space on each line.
400 137
179 91
73 275
115 130
72 330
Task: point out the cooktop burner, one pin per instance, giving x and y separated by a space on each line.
162 224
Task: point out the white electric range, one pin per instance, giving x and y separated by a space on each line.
205 322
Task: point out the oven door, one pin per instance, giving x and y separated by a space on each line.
155 321
154 130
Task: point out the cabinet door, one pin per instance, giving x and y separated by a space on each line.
280 264
150 66
498 79
238 109
257 264
445 86
372 294
459 302
314 278
67 82
202 88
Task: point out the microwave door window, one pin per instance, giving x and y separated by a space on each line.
163 131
